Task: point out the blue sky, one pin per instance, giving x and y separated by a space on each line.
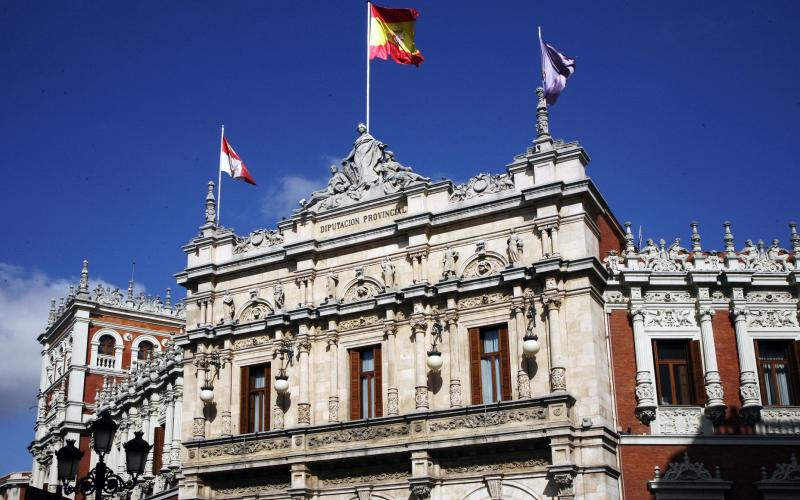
111 114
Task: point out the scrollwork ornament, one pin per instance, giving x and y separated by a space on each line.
558 379
421 397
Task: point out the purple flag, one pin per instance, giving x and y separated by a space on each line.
556 68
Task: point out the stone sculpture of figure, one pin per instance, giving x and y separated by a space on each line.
394 175
278 296
449 264
338 183
514 248
649 253
677 253
388 273
749 253
228 307
330 283
365 155
778 255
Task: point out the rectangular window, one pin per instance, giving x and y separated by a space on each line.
490 369
776 373
679 372
365 383
255 398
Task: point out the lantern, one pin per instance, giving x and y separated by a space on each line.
434 360
68 459
530 345
207 393
136 454
103 430
281 383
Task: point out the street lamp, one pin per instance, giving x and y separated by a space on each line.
530 342
205 362
101 479
281 379
434 359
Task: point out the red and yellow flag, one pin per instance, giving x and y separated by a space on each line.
391 33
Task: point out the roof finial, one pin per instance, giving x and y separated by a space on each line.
630 248
542 120
51 317
129 298
211 204
795 239
83 285
696 248
728 238
168 298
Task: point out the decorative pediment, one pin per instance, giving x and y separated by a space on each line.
258 239
483 264
255 310
362 289
670 318
481 185
369 171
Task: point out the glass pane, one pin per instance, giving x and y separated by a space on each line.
773 351
497 383
257 378
671 350
365 398
367 361
781 373
256 420
766 381
682 384
490 341
372 397
665 388
486 381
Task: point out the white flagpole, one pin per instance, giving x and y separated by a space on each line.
219 178
369 27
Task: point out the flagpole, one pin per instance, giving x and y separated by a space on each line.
219 177
369 27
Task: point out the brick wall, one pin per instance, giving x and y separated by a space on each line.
624 366
611 236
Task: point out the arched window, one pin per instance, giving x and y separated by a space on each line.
145 350
106 346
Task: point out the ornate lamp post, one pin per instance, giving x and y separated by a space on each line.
205 363
101 479
434 359
281 379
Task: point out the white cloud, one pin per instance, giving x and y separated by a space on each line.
282 196
24 303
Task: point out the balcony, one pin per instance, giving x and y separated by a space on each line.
105 361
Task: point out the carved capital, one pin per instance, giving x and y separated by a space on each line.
303 344
739 313
451 316
637 313
389 328
706 313
418 323
551 301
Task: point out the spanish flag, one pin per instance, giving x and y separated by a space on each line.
391 33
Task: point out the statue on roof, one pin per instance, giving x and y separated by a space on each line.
367 152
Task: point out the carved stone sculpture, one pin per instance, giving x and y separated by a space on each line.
228 307
449 264
388 271
279 297
514 248
331 281
481 185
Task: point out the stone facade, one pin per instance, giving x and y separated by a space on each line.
400 263
90 351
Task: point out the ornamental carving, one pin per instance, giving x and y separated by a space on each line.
786 472
485 265
359 322
661 259
145 303
455 393
304 413
770 260
359 434
363 289
488 419
251 487
393 403
257 310
771 318
558 379
670 318
687 470
261 340
258 239
378 477
245 448
616 298
481 185
668 297
482 300
421 397
492 465
770 297
680 420
776 420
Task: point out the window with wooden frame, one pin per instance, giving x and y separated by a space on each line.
158 449
679 372
366 394
777 372
106 347
145 350
254 404
490 365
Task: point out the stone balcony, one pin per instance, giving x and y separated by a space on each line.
506 422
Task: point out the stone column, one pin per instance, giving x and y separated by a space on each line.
392 395
645 392
558 372
748 380
546 244
175 451
304 406
451 316
199 419
333 359
418 326
523 382
554 239
169 419
227 384
301 286
715 406
149 422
